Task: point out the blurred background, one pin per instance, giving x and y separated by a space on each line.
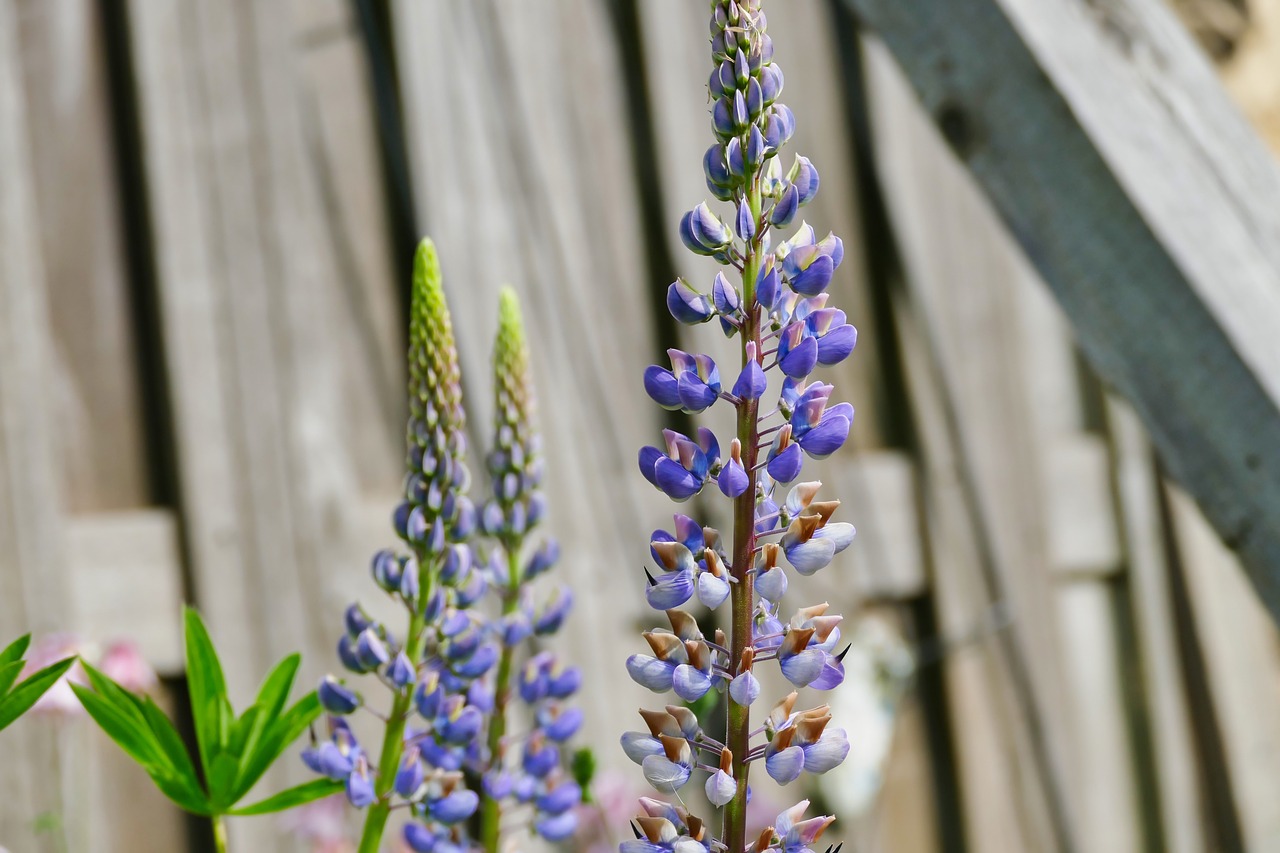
207 217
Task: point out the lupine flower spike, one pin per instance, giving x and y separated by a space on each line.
434 667
532 776
445 749
779 310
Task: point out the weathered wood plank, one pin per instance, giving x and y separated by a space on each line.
1242 653
33 585
1177 794
1001 795
100 435
510 165
964 284
126 570
279 426
1108 147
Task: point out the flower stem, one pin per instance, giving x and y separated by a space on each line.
375 821
491 809
738 726
220 833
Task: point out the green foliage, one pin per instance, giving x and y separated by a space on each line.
233 753
15 701
584 771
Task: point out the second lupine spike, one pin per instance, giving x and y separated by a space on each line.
540 776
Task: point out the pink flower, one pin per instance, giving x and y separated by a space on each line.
59 700
123 663
322 823
614 805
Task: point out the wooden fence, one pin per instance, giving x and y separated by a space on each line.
206 215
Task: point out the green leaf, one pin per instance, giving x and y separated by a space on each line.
291 797
15 650
142 713
147 747
9 673
222 779
584 771
207 688
122 700
280 733
167 737
242 730
16 703
274 692
272 697
130 734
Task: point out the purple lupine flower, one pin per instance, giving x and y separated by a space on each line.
518 506
779 308
336 698
447 706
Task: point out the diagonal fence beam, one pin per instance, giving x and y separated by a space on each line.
1102 138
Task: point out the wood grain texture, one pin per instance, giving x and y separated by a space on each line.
1176 793
522 175
95 392
963 283
33 584
1108 147
1241 647
273 452
126 574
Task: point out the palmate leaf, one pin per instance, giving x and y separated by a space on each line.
132 730
290 797
207 688
9 673
15 650
16 702
279 734
233 753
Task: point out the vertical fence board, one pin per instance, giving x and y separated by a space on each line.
522 175
1177 794
1242 653
274 453
961 279
32 581
100 437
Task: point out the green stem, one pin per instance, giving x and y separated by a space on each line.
490 808
375 821
220 833
738 726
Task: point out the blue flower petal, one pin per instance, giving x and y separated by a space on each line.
712 590
815 278
671 590
648 671
744 688
455 807
785 766
690 683
785 467
802 668
800 361
557 827
836 345
827 753
640 745
720 788
675 480
660 384
826 438
664 774
751 383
